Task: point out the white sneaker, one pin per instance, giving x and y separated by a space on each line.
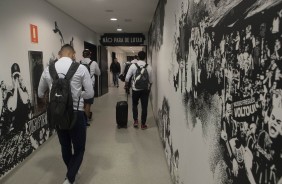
78 175
67 182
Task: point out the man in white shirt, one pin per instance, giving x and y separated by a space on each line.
142 94
94 70
74 138
135 60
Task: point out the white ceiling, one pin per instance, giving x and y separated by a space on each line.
95 14
133 49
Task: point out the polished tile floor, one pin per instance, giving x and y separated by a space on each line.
113 156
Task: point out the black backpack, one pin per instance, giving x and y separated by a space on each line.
60 113
88 67
141 77
127 66
123 75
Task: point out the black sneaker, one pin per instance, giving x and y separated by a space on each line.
90 116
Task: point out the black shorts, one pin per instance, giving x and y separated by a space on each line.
89 101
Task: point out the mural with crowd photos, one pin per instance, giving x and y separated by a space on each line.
226 64
21 130
23 117
166 137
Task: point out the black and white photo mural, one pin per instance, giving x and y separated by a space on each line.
225 64
157 28
166 137
21 131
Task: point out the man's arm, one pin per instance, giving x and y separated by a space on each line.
23 91
119 68
97 69
129 75
87 84
151 77
94 69
13 98
111 67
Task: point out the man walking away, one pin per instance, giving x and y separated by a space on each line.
115 69
74 138
134 60
141 85
93 68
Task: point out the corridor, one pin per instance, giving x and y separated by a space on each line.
112 156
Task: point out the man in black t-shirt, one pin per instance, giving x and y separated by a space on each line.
115 69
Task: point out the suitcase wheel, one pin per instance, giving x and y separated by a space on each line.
119 126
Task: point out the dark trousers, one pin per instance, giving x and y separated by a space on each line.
115 78
73 139
144 97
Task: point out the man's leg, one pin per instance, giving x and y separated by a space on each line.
114 79
66 148
144 105
87 113
117 74
135 99
78 137
90 103
87 109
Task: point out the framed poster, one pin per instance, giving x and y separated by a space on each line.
36 69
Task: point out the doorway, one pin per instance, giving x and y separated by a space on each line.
123 54
103 64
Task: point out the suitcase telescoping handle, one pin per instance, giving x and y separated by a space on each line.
127 97
127 92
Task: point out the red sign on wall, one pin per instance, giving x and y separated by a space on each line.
34 33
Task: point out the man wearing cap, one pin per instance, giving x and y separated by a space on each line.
17 101
135 60
94 70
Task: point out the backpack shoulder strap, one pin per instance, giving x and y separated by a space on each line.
137 65
90 63
74 66
90 68
52 70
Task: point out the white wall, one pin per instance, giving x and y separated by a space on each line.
15 19
204 140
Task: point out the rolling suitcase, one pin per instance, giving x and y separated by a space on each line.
122 114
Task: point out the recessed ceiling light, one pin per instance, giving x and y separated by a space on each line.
113 19
119 29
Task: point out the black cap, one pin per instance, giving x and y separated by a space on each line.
86 53
15 69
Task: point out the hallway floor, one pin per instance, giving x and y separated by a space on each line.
112 156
